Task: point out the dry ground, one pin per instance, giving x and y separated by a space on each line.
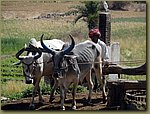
28 10
23 104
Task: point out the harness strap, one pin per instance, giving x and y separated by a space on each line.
74 64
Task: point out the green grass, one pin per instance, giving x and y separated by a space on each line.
11 45
17 89
125 32
15 33
130 19
132 39
13 88
10 71
10 89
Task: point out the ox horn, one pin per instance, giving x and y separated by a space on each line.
39 53
35 49
67 50
29 49
19 53
45 47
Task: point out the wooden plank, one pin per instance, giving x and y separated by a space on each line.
135 85
116 69
129 85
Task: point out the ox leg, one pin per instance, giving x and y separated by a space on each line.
36 86
90 84
53 90
102 81
74 89
62 97
40 95
94 79
104 89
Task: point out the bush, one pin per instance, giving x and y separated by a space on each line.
45 89
15 96
27 92
80 88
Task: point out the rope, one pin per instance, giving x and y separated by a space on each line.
110 62
129 62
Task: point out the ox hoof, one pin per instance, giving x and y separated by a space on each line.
51 99
62 108
31 107
74 108
89 103
104 101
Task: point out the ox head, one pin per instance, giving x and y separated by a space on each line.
59 64
28 62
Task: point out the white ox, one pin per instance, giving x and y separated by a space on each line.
37 64
74 68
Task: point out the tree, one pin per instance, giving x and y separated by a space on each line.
89 12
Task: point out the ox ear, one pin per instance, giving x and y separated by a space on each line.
17 63
25 46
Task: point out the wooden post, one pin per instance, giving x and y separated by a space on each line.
116 95
113 48
105 27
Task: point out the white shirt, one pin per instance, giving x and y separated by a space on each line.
105 54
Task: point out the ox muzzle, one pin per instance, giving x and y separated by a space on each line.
59 73
28 79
